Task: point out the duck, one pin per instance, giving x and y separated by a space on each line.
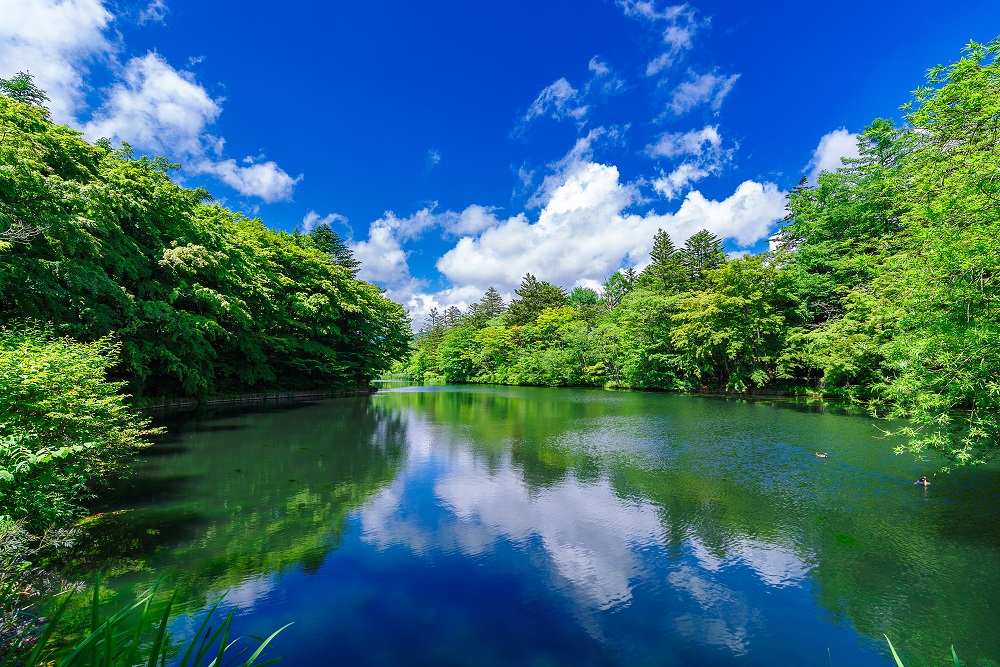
923 481
822 455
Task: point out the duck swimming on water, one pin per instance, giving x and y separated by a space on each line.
822 455
923 481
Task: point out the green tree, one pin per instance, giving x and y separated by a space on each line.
584 296
534 296
666 272
734 333
941 285
702 253
328 241
617 286
21 87
65 431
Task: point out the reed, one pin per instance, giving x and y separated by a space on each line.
138 634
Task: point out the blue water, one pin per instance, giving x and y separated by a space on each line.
500 526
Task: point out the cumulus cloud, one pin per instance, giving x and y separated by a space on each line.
694 142
671 184
160 109
710 88
832 149
382 257
583 232
267 180
151 105
56 41
156 107
703 153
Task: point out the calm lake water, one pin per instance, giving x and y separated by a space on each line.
515 526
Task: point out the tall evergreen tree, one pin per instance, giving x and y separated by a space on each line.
665 272
328 241
490 306
534 296
702 253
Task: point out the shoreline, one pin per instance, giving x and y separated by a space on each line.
166 405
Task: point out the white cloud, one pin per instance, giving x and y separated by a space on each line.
55 41
710 88
646 9
267 181
584 234
433 158
559 100
832 147
312 220
153 106
382 257
473 220
598 66
704 156
157 108
694 142
672 184
155 12
677 36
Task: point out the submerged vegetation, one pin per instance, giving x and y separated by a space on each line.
881 288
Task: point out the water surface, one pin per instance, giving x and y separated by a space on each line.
500 526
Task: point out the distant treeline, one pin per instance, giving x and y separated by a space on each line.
202 300
882 289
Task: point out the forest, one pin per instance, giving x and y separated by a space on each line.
117 282
879 287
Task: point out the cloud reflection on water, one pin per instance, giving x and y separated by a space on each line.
596 543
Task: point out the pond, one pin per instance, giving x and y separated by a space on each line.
500 526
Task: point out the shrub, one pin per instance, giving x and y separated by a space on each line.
64 429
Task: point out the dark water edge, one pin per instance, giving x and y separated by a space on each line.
498 525
245 401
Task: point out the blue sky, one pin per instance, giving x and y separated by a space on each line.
460 144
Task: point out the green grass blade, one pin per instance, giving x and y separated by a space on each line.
264 644
34 658
899 662
201 630
224 642
158 649
954 656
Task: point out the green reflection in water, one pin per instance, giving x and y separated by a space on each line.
885 555
232 499
229 499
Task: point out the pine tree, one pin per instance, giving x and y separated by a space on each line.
328 241
665 272
701 253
